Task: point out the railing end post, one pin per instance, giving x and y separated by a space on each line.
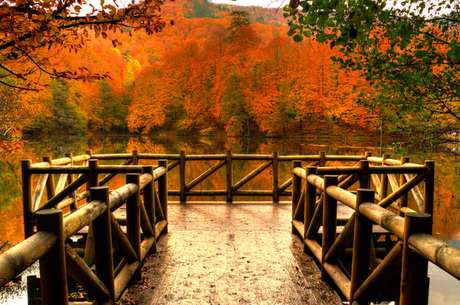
53 265
414 273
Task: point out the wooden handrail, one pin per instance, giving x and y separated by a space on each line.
306 219
438 252
103 286
363 287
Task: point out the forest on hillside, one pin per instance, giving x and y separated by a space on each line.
219 69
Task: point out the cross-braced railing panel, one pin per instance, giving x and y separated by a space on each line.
146 213
315 220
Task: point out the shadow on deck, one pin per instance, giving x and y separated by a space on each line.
230 254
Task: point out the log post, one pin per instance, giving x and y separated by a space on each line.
429 188
275 166
322 158
53 277
163 192
329 222
183 197
229 168
361 243
296 189
70 179
149 202
402 180
365 180
310 204
133 221
384 180
103 241
92 182
27 197
414 274
93 175
135 157
50 191
90 153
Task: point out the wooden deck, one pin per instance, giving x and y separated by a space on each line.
230 254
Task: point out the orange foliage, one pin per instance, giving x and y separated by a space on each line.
201 76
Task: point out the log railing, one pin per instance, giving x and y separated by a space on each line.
387 250
48 230
228 161
387 221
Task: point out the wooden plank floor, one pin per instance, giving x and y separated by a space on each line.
229 254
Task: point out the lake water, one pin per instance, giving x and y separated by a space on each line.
444 289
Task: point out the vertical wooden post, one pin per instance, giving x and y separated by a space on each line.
53 277
365 180
90 153
149 202
296 189
103 241
50 191
229 167
310 203
27 197
89 257
414 274
322 158
163 191
88 185
70 179
183 198
329 222
429 188
361 243
135 157
275 165
133 221
384 180
402 180
93 175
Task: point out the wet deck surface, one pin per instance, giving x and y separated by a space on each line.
229 254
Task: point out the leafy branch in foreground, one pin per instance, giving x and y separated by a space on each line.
32 32
409 50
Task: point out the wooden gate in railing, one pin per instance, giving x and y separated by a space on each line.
146 210
396 249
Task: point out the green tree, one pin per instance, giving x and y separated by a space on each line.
410 52
201 9
239 20
112 110
234 107
62 116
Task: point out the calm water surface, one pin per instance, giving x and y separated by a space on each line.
444 289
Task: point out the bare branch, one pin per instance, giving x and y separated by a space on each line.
11 71
19 87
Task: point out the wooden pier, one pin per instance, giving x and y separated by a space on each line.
365 221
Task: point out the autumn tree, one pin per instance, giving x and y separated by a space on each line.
16 110
410 52
33 33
